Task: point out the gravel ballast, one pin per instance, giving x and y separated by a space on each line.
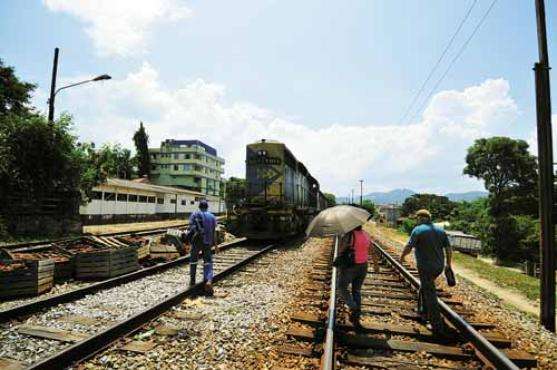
241 328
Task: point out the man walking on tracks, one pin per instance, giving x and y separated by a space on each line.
431 246
202 236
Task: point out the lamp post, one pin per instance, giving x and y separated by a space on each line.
361 192
54 91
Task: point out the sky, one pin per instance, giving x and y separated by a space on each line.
332 80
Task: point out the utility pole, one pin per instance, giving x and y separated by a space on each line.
361 192
546 181
352 199
53 87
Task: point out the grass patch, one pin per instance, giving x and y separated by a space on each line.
524 284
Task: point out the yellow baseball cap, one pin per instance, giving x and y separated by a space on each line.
423 213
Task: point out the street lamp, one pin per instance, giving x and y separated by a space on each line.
54 91
361 192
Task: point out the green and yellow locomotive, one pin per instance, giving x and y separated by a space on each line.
281 195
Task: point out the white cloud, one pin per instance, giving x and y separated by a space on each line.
426 155
121 27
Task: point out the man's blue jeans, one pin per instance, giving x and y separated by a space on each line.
427 299
354 275
205 249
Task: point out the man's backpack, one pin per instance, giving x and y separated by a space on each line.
196 229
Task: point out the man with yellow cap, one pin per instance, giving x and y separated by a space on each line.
431 249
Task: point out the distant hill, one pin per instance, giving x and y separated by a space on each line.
468 196
397 196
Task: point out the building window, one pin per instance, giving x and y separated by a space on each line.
109 196
187 167
176 156
160 200
173 201
154 156
98 195
197 179
192 202
151 199
153 167
132 198
187 156
142 199
175 167
122 197
196 156
183 202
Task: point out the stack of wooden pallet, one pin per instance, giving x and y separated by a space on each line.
97 257
20 278
141 242
63 261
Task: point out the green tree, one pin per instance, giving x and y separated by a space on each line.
14 94
37 158
369 206
509 174
439 206
235 192
141 140
115 161
331 198
470 217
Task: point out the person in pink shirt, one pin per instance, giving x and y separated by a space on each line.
360 242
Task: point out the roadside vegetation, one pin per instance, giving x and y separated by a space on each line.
513 280
42 160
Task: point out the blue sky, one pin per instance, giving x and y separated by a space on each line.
341 73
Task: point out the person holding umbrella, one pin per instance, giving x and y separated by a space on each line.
354 249
353 271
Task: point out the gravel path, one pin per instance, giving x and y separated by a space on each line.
524 330
106 307
239 329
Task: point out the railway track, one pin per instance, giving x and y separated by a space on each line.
54 335
393 337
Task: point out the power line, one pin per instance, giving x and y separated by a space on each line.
432 71
460 51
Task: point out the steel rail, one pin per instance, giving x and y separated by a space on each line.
72 295
96 343
328 357
488 350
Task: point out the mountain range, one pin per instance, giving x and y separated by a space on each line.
397 196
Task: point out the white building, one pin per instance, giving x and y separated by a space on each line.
118 200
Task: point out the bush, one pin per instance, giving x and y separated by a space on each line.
408 225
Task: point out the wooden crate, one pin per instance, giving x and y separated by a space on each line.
63 261
106 263
34 278
141 242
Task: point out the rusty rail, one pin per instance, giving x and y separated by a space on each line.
328 357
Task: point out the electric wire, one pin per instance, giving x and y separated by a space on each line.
432 71
453 61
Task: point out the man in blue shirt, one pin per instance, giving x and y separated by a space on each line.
202 225
431 246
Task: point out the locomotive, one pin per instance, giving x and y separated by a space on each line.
281 196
